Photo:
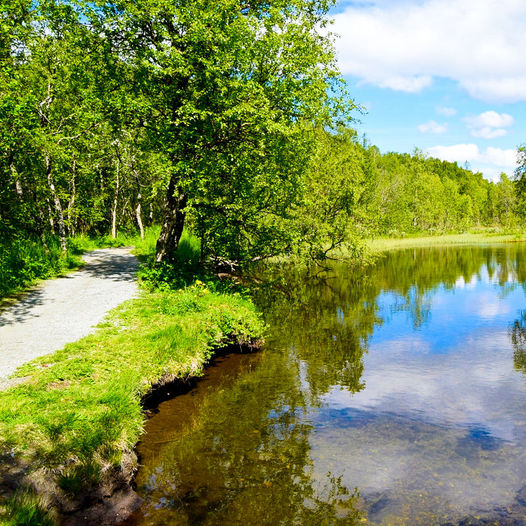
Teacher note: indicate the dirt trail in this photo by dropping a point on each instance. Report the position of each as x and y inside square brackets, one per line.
[64, 310]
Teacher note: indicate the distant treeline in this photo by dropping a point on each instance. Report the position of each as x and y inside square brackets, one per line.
[228, 118]
[399, 193]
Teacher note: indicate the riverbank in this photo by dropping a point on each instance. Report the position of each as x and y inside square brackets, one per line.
[68, 430]
[483, 237]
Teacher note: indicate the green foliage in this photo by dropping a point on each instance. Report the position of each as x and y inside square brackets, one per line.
[326, 219]
[223, 91]
[25, 509]
[400, 194]
[183, 270]
[520, 180]
[225, 119]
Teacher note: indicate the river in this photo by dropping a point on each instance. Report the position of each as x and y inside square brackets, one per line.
[390, 395]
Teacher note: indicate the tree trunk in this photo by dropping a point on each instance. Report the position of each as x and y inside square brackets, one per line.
[18, 184]
[173, 223]
[42, 228]
[139, 216]
[73, 188]
[50, 216]
[115, 202]
[58, 206]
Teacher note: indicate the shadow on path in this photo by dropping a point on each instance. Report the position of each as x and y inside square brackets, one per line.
[21, 310]
[120, 267]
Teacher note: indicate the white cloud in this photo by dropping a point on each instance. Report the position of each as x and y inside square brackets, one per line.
[488, 133]
[478, 43]
[432, 127]
[446, 112]
[504, 89]
[491, 161]
[408, 84]
[499, 157]
[490, 119]
[489, 125]
[459, 153]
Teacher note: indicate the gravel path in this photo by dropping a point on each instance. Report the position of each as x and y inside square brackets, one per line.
[65, 309]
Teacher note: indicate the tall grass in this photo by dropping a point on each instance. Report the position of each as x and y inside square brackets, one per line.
[24, 261]
[185, 268]
[142, 247]
[25, 509]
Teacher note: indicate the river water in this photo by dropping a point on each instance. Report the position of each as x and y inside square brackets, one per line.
[391, 395]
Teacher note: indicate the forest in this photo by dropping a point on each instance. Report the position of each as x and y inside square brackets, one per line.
[229, 121]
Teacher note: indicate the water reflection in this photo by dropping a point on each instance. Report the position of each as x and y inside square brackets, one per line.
[518, 340]
[390, 396]
[242, 458]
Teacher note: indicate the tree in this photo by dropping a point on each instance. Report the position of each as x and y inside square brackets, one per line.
[329, 214]
[224, 89]
[520, 180]
[506, 200]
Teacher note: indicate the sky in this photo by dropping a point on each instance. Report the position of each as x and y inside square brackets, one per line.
[444, 76]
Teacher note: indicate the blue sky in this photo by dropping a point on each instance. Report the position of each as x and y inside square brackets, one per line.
[444, 76]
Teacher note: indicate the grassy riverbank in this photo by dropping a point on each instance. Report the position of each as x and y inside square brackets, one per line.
[72, 423]
[481, 237]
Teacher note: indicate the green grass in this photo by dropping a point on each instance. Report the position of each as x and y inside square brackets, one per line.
[78, 411]
[25, 261]
[142, 247]
[470, 238]
[25, 509]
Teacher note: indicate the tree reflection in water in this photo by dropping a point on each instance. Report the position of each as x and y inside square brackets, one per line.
[518, 340]
[239, 453]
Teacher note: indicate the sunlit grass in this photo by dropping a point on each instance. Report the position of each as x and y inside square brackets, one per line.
[24, 508]
[469, 238]
[141, 247]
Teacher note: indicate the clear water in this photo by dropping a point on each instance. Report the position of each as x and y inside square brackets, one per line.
[395, 395]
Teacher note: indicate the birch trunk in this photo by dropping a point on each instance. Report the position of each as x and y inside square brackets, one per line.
[115, 203]
[58, 206]
[71, 203]
[139, 216]
[18, 184]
